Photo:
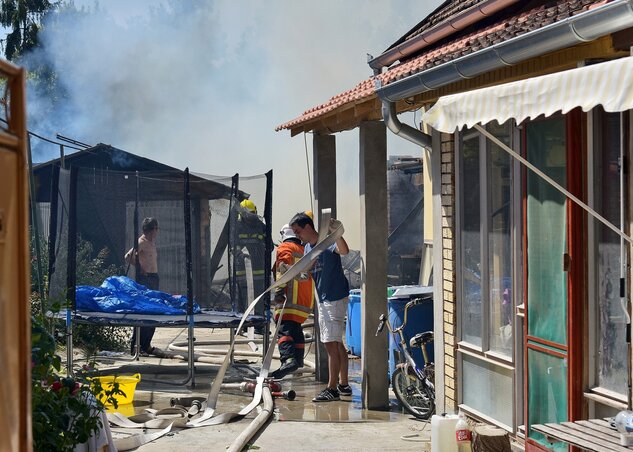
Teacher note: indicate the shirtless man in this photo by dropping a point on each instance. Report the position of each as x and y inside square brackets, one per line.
[148, 275]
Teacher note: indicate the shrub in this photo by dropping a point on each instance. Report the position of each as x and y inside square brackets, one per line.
[65, 410]
[92, 269]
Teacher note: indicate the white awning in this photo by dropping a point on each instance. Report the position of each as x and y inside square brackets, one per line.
[609, 84]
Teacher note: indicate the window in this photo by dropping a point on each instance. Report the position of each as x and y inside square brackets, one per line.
[485, 262]
[470, 235]
[609, 255]
[485, 187]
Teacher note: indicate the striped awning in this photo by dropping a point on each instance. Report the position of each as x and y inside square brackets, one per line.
[609, 84]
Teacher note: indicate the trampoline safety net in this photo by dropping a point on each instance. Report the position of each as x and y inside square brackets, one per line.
[211, 245]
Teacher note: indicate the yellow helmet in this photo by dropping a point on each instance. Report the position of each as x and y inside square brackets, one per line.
[249, 205]
[310, 214]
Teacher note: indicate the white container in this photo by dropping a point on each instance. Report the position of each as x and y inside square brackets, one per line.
[443, 433]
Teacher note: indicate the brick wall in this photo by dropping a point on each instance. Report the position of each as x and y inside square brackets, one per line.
[448, 265]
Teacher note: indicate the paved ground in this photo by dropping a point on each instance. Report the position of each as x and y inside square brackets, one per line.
[298, 424]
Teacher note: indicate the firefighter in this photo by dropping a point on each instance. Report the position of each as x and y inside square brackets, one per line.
[251, 235]
[299, 297]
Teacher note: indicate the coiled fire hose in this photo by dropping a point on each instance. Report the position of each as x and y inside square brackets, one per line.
[179, 416]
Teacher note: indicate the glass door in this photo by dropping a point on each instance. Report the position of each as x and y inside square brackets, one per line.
[547, 262]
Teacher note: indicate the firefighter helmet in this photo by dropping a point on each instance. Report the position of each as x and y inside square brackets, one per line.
[287, 233]
[249, 205]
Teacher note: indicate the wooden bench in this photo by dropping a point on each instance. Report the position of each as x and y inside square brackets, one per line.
[593, 435]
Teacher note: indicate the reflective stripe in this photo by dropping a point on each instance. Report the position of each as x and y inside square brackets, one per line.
[283, 339]
[255, 273]
[251, 236]
[296, 307]
[294, 315]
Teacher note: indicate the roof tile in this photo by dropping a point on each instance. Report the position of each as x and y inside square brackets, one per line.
[508, 28]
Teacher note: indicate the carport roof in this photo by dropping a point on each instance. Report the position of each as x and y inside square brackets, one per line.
[346, 110]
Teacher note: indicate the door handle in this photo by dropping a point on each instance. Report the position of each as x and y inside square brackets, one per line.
[566, 262]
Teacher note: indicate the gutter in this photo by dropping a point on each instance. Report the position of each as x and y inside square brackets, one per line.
[587, 26]
[584, 27]
[440, 31]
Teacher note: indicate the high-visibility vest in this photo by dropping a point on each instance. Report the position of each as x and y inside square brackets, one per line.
[299, 294]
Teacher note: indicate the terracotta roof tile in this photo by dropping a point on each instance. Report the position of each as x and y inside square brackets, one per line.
[446, 11]
[464, 45]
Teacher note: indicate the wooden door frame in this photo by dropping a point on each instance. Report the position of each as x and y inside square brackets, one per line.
[576, 164]
[575, 128]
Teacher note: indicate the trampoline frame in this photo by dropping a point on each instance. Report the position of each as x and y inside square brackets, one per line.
[72, 315]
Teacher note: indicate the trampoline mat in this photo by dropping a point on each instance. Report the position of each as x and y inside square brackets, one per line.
[204, 319]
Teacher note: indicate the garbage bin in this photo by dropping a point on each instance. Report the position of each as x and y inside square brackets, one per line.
[419, 319]
[352, 330]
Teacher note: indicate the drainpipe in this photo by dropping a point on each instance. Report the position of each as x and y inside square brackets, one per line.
[440, 31]
[398, 128]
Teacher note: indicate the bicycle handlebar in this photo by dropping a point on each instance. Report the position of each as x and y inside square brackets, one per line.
[383, 318]
[381, 324]
[419, 300]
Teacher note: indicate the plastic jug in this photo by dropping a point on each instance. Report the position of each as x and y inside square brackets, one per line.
[443, 433]
[624, 421]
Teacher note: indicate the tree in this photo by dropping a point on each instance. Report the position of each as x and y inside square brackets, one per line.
[24, 19]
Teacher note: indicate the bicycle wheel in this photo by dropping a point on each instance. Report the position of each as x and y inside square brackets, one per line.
[412, 394]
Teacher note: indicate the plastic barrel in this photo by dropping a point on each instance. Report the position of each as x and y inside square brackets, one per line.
[352, 330]
[419, 320]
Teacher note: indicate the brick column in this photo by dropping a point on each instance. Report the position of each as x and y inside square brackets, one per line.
[448, 264]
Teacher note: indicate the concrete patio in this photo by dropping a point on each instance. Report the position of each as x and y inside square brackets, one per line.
[301, 423]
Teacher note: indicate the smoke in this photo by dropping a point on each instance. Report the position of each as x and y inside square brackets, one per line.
[203, 84]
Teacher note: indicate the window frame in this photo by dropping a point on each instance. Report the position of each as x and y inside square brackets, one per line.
[512, 362]
[595, 393]
[515, 238]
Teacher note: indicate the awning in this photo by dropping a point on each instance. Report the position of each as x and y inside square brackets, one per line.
[609, 84]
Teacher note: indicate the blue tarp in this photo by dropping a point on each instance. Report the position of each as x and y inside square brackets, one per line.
[123, 295]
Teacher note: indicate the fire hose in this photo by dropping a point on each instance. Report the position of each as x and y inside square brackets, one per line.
[327, 237]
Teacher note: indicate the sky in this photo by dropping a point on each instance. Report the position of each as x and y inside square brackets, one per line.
[204, 84]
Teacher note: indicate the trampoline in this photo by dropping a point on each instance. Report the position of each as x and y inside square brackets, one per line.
[200, 253]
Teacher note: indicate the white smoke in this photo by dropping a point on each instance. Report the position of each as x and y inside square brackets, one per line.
[203, 84]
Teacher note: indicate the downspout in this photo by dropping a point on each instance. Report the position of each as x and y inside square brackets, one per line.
[398, 128]
[440, 31]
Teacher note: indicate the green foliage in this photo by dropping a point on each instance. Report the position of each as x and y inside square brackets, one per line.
[92, 269]
[24, 19]
[65, 410]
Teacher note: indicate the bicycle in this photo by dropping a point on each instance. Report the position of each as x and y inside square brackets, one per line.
[413, 386]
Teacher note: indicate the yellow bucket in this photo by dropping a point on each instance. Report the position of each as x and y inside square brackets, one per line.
[126, 409]
[127, 384]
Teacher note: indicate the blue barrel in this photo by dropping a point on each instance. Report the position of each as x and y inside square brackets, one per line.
[419, 319]
[352, 330]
